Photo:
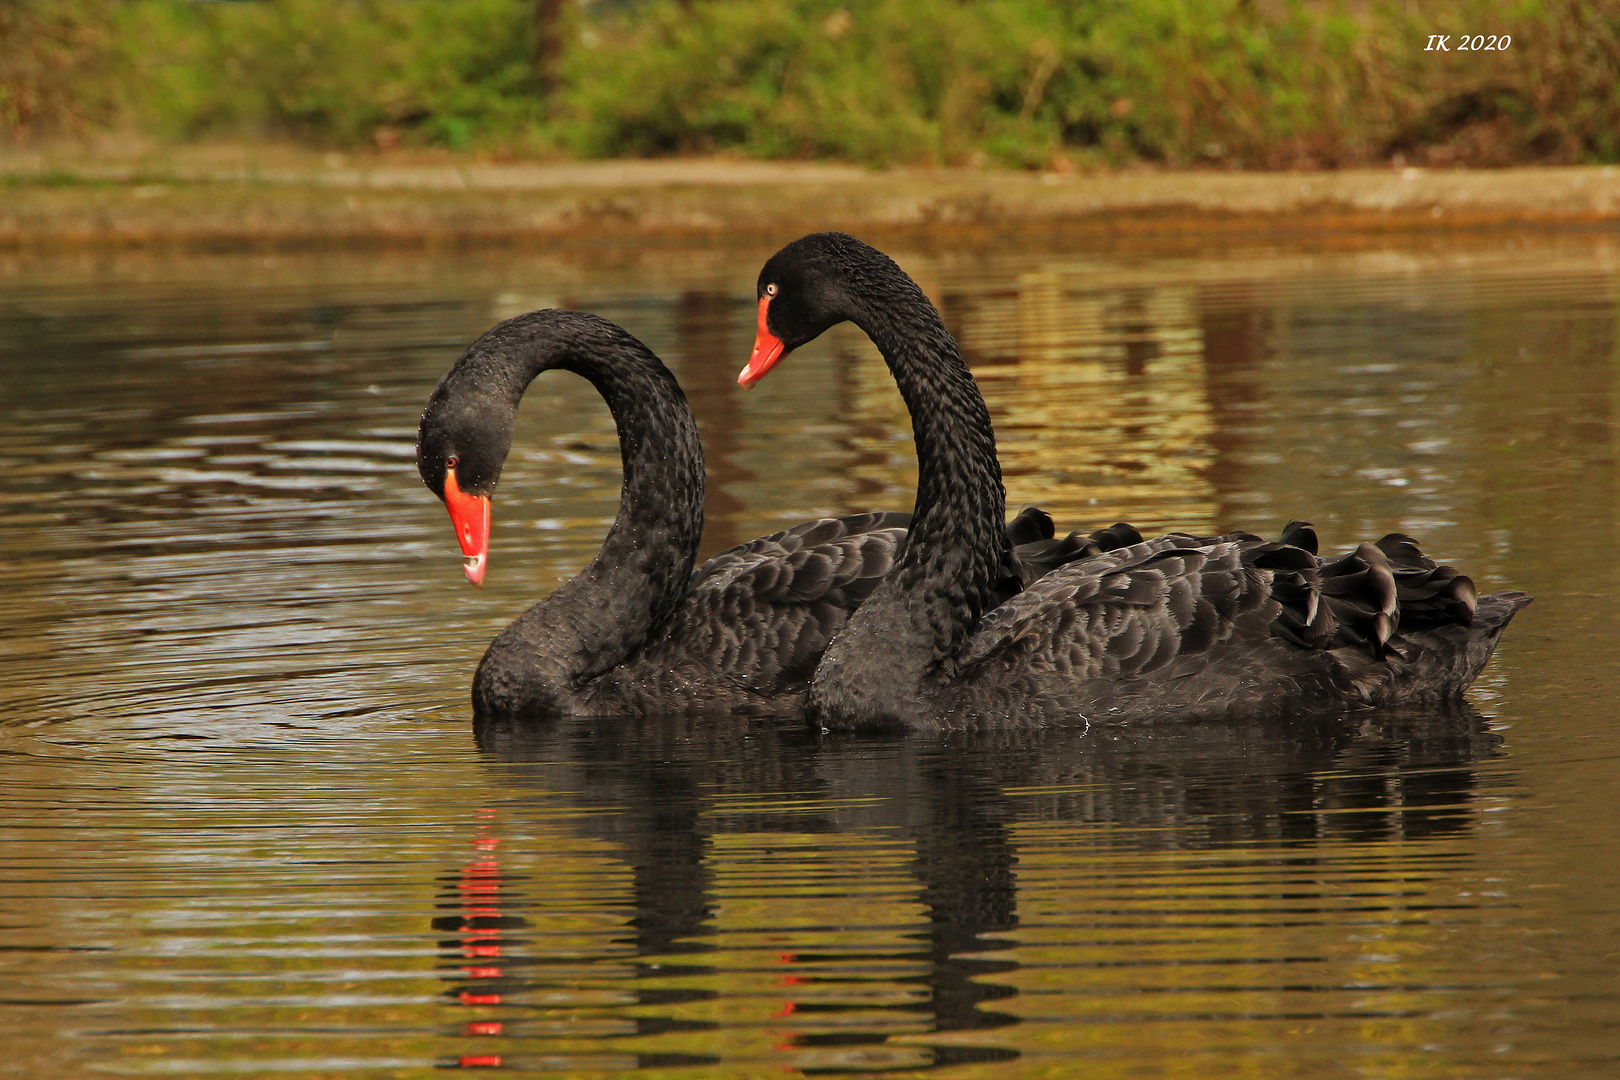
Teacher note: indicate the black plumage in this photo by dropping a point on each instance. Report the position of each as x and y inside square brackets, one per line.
[1180, 627]
[639, 630]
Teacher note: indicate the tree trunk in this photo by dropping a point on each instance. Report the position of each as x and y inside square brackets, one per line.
[548, 41]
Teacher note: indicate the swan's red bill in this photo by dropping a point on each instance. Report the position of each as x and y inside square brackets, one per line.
[470, 516]
[768, 349]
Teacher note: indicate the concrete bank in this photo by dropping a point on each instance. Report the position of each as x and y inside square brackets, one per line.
[293, 199]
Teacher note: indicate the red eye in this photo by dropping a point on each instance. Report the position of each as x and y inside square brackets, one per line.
[450, 463]
[770, 290]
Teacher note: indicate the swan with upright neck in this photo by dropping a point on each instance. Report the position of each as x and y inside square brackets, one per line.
[639, 630]
[1181, 627]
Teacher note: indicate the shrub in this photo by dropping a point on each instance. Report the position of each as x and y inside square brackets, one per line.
[1032, 83]
[338, 71]
[56, 67]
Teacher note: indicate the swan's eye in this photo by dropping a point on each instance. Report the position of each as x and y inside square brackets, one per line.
[450, 463]
[770, 290]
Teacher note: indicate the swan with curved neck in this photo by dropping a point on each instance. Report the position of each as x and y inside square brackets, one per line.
[638, 630]
[1180, 627]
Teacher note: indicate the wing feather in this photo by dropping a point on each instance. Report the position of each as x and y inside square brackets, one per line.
[1140, 606]
[762, 613]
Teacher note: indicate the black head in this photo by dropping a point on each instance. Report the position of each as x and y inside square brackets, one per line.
[808, 284]
[464, 431]
[467, 425]
[460, 454]
[461, 444]
[467, 433]
[812, 284]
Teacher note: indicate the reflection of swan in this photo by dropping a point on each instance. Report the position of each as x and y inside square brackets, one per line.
[495, 970]
[1176, 628]
[638, 630]
[1382, 774]
[666, 773]
[747, 841]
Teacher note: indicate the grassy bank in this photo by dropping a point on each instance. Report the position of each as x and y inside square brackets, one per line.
[1052, 84]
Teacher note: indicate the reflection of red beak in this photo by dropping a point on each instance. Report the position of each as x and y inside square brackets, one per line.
[470, 516]
[768, 349]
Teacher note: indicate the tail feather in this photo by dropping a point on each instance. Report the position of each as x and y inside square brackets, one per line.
[1437, 663]
[1382, 624]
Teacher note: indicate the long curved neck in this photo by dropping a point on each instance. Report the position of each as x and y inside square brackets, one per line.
[629, 593]
[631, 590]
[957, 548]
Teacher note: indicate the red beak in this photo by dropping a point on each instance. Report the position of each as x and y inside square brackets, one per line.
[470, 516]
[768, 349]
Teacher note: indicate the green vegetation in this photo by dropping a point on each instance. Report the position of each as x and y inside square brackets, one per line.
[1032, 83]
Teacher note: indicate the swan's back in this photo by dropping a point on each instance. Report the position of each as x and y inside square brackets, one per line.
[764, 611]
[1187, 627]
[759, 616]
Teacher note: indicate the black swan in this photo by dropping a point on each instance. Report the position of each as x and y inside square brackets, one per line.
[637, 630]
[1181, 627]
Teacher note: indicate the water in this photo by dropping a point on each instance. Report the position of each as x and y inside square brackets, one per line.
[249, 828]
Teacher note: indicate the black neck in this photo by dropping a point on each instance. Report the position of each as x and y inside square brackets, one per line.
[627, 595]
[957, 550]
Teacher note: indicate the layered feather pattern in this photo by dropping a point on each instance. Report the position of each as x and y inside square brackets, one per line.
[1119, 628]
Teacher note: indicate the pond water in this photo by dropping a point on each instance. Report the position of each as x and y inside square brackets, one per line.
[247, 826]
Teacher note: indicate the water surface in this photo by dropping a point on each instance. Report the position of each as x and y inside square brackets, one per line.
[249, 827]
